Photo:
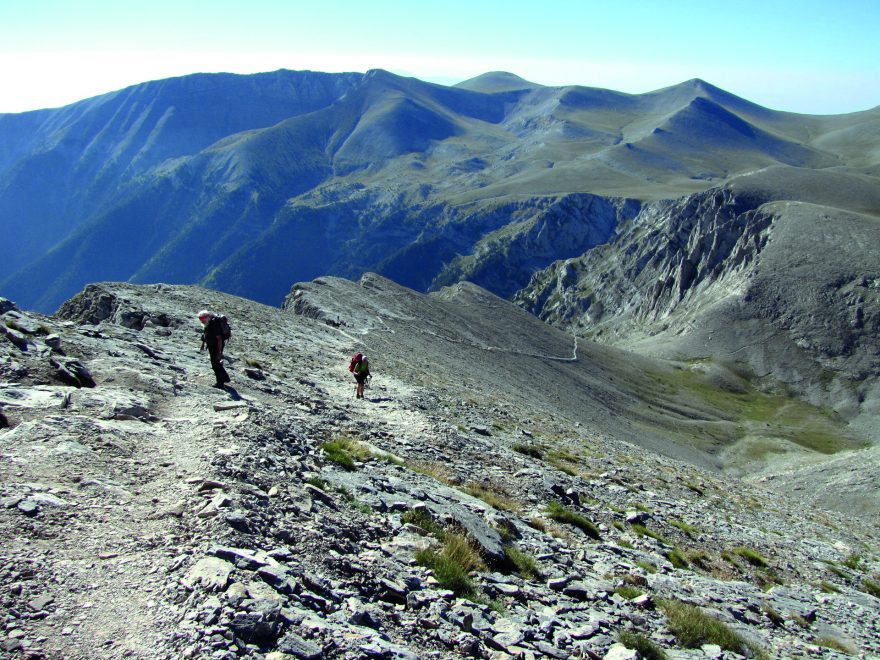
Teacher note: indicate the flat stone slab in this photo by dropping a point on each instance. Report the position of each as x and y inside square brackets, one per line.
[211, 572]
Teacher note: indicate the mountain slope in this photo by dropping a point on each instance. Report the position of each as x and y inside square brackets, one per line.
[58, 168]
[194, 177]
[285, 516]
[757, 273]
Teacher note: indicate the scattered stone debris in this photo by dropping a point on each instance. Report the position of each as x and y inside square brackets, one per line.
[289, 522]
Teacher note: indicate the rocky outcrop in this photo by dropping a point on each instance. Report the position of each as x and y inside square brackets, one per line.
[729, 275]
[666, 259]
[154, 516]
[504, 260]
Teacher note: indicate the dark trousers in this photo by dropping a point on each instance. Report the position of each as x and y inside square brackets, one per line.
[217, 366]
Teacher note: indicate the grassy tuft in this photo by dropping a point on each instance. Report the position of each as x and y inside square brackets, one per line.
[492, 495]
[528, 450]
[835, 570]
[639, 642]
[753, 557]
[871, 587]
[642, 530]
[775, 617]
[647, 566]
[692, 628]
[453, 562]
[437, 471]
[699, 557]
[683, 526]
[628, 591]
[318, 482]
[853, 562]
[677, 559]
[835, 644]
[561, 514]
[421, 518]
[344, 452]
[525, 563]
[827, 587]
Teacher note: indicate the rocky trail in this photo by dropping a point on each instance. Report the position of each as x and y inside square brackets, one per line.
[144, 514]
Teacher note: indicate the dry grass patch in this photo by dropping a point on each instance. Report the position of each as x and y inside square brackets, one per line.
[493, 495]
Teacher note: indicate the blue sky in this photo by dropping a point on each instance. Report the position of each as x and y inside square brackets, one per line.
[800, 56]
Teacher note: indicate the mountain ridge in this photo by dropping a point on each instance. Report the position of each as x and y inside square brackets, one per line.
[433, 144]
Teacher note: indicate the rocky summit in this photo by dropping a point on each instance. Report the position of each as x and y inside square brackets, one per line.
[503, 490]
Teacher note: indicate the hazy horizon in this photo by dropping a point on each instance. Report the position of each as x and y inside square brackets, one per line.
[800, 57]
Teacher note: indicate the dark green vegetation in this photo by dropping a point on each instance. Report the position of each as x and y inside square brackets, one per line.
[871, 587]
[641, 643]
[693, 628]
[525, 563]
[453, 560]
[559, 513]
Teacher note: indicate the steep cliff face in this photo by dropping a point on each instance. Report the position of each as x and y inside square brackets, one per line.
[504, 260]
[669, 256]
[789, 290]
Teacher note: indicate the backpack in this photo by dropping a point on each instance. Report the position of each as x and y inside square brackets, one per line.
[355, 359]
[225, 328]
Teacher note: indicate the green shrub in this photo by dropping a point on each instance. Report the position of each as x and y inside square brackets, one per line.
[639, 642]
[692, 628]
[561, 514]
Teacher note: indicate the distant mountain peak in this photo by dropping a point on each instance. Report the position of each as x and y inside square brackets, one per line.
[496, 81]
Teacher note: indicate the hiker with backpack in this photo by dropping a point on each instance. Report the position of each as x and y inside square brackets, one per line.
[215, 334]
[360, 367]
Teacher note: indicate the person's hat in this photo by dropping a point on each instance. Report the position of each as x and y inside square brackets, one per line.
[205, 314]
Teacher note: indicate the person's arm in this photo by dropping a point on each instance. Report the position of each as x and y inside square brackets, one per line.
[219, 345]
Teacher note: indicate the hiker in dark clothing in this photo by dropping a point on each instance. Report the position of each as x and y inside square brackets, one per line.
[361, 372]
[212, 337]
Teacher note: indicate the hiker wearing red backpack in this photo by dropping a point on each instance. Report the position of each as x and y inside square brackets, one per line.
[360, 367]
[216, 332]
